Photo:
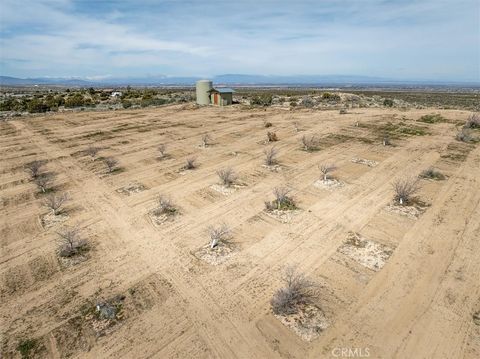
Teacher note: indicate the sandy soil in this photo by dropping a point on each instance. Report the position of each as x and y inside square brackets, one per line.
[420, 301]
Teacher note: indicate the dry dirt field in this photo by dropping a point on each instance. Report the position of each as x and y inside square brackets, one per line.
[409, 288]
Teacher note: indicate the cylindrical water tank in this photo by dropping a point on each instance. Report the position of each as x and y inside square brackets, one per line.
[203, 96]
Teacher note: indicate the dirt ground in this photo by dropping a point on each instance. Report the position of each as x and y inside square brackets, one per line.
[419, 302]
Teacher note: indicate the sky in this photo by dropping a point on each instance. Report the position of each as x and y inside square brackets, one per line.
[98, 39]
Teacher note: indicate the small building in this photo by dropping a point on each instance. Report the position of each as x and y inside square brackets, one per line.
[116, 94]
[208, 95]
[221, 96]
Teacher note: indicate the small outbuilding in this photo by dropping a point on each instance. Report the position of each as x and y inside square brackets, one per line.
[208, 95]
[221, 96]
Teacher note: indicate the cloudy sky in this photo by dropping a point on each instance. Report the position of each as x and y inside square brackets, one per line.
[400, 39]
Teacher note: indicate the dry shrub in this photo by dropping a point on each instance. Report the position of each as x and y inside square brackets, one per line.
[267, 124]
[70, 242]
[191, 163]
[44, 181]
[55, 202]
[405, 188]
[92, 151]
[165, 206]
[283, 200]
[206, 140]
[111, 164]
[218, 234]
[386, 140]
[473, 121]
[310, 143]
[270, 156]
[227, 176]
[326, 169]
[272, 137]
[162, 149]
[432, 173]
[34, 168]
[298, 290]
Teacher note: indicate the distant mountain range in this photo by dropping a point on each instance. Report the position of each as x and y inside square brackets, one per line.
[227, 79]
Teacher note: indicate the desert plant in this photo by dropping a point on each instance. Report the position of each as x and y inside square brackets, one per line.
[165, 206]
[343, 111]
[326, 169]
[271, 137]
[464, 135]
[282, 201]
[44, 181]
[70, 242]
[432, 173]
[270, 156]
[162, 150]
[206, 140]
[405, 188]
[191, 163]
[267, 124]
[310, 143]
[227, 176]
[307, 102]
[386, 140]
[92, 151]
[297, 291]
[55, 202]
[473, 121]
[218, 234]
[111, 164]
[33, 168]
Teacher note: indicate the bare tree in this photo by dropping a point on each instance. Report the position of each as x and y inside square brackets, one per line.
[405, 188]
[272, 137]
[70, 242]
[44, 181]
[165, 206]
[227, 176]
[33, 168]
[206, 140]
[282, 201]
[162, 149]
[270, 156]
[310, 143]
[191, 163]
[92, 151]
[326, 169]
[218, 234]
[111, 164]
[55, 203]
[298, 290]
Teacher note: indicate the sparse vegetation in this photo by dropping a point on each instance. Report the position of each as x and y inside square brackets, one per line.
[227, 176]
[44, 181]
[28, 347]
[70, 242]
[473, 121]
[111, 164]
[271, 137]
[325, 169]
[297, 291]
[162, 150]
[191, 163]
[405, 188]
[270, 156]
[464, 135]
[165, 206]
[267, 124]
[205, 140]
[92, 151]
[432, 118]
[218, 234]
[34, 168]
[55, 202]
[310, 143]
[432, 173]
[283, 201]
